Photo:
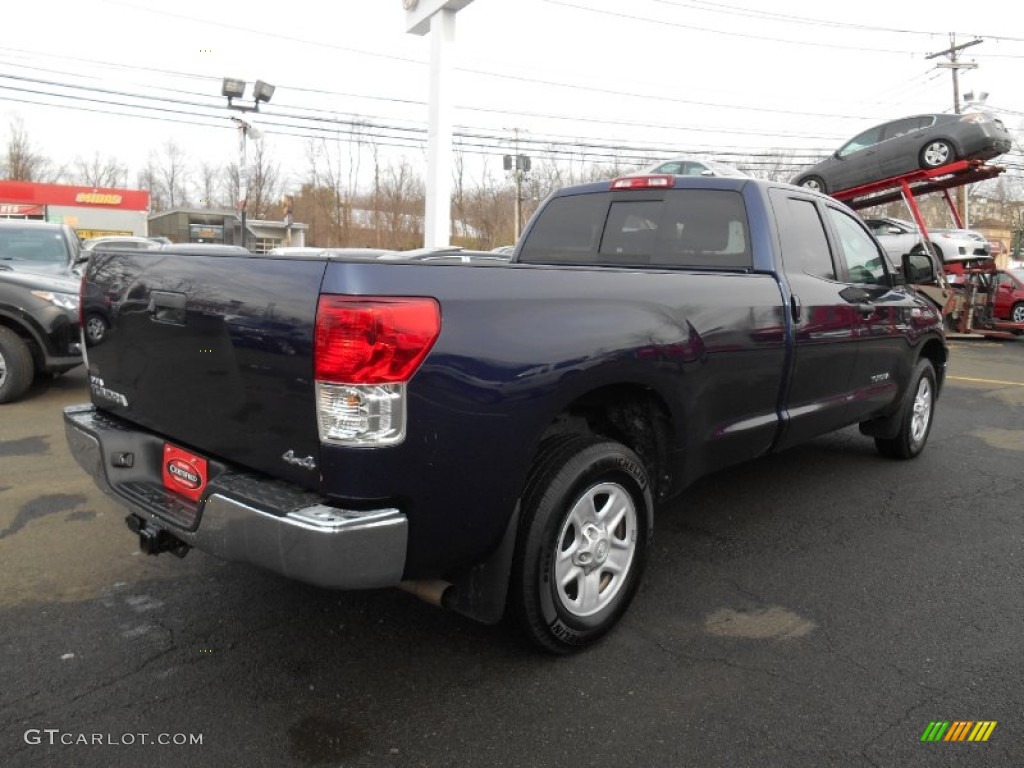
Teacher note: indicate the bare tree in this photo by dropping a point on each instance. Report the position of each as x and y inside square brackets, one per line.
[167, 173]
[774, 166]
[100, 172]
[148, 179]
[401, 201]
[209, 185]
[230, 186]
[22, 162]
[332, 198]
[264, 187]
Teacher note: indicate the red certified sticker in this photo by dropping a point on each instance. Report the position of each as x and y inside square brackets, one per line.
[184, 472]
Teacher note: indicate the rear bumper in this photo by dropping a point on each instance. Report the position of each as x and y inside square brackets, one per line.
[241, 516]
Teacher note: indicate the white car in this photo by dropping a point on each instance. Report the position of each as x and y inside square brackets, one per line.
[121, 243]
[898, 237]
[694, 166]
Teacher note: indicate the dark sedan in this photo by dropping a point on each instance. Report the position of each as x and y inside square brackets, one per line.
[905, 145]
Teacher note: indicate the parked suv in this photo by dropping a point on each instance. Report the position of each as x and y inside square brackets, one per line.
[898, 237]
[38, 246]
[38, 328]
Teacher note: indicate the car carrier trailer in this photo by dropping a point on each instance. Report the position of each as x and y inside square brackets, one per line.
[966, 306]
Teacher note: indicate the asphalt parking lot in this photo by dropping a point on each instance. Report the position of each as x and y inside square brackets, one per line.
[816, 608]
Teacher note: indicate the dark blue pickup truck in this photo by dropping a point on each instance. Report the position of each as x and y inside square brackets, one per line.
[496, 436]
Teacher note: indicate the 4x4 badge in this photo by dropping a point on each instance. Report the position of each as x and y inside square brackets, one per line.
[307, 463]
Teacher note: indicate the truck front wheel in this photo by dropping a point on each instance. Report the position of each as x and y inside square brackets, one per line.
[916, 420]
[16, 367]
[583, 541]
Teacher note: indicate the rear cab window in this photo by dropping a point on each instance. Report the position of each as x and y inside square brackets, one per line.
[696, 228]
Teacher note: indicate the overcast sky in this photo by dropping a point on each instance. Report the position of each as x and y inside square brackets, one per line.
[668, 76]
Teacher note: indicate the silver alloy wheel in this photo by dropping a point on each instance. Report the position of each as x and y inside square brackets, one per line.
[812, 184]
[95, 327]
[595, 549]
[3, 369]
[937, 153]
[922, 412]
[1018, 314]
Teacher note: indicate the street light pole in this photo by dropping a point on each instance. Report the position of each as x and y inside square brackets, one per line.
[234, 88]
[243, 174]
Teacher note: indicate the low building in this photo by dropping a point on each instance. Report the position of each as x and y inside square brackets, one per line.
[90, 211]
[223, 226]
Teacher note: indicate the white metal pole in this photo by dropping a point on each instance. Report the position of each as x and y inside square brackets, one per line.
[437, 221]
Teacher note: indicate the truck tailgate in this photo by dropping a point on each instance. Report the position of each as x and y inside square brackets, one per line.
[214, 352]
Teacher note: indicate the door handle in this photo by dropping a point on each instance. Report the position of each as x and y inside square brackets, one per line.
[167, 307]
[795, 308]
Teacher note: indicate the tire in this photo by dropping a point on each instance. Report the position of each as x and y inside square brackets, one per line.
[572, 578]
[815, 184]
[95, 329]
[16, 366]
[1017, 313]
[937, 153]
[917, 416]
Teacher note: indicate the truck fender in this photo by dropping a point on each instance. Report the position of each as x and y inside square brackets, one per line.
[887, 427]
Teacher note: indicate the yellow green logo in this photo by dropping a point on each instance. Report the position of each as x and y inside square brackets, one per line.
[958, 730]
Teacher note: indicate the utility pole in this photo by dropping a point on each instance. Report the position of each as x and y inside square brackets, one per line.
[955, 65]
[519, 165]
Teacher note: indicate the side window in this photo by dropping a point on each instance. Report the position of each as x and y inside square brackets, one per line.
[864, 260]
[866, 139]
[900, 127]
[804, 244]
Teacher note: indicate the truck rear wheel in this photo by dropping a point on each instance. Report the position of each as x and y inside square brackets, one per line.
[16, 367]
[582, 543]
[916, 421]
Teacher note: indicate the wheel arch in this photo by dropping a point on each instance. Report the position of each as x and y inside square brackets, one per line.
[633, 414]
[32, 338]
[935, 351]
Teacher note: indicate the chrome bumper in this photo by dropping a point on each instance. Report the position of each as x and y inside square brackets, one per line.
[310, 541]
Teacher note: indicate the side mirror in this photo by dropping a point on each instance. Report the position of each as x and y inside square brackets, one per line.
[707, 172]
[918, 268]
[893, 231]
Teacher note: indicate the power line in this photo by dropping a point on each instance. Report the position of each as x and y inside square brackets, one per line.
[727, 33]
[217, 106]
[790, 19]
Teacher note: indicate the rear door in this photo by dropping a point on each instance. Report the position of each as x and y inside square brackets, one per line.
[214, 352]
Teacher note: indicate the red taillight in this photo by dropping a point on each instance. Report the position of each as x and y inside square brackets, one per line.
[373, 340]
[662, 181]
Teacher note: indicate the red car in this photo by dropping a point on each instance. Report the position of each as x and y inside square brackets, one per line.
[1008, 295]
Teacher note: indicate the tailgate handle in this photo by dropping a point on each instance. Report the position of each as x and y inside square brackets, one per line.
[167, 307]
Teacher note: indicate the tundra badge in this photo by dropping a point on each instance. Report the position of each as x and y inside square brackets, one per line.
[100, 390]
